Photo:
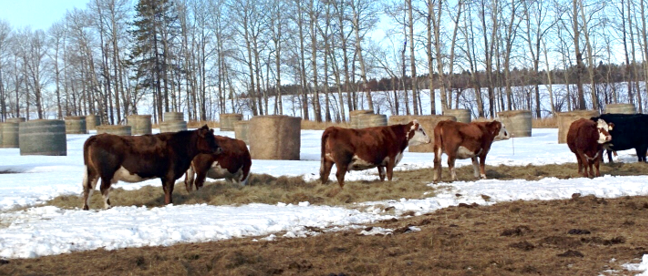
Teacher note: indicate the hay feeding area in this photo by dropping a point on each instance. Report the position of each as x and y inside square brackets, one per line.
[576, 236]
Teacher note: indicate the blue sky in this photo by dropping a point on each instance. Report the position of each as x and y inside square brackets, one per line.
[39, 14]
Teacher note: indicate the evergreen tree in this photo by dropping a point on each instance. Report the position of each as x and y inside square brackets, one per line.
[154, 29]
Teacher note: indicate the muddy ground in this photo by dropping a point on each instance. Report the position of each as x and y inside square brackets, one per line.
[584, 235]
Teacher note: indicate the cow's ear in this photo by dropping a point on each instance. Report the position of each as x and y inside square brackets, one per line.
[495, 126]
[610, 126]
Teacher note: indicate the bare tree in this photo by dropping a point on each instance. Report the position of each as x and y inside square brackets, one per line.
[5, 32]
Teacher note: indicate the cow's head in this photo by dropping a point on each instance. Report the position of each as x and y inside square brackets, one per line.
[498, 130]
[604, 131]
[207, 142]
[416, 135]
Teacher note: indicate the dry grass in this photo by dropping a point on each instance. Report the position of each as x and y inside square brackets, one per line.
[550, 122]
[197, 124]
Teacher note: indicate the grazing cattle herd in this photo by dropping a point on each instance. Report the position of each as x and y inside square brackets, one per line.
[200, 154]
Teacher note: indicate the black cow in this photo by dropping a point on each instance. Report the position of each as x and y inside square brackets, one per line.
[630, 131]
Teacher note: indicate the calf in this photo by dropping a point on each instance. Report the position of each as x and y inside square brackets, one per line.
[461, 141]
[233, 164]
[137, 158]
[585, 138]
[630, 132]
[361, 149]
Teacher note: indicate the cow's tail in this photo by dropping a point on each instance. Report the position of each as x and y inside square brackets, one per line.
[438, 142]
[247, 164]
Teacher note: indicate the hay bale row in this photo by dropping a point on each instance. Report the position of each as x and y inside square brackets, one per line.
[565, 119]
[42, 137]
[370, 120]
[462, 115]
[354, 114]
[140, 124]
[620, 109]
[75, 125]
[121, 130]
[241, 130]
[276, 137]
[227, 120]
[9, 134]
[173, 126]
[518, 122]
[173, 116]
[428, 122]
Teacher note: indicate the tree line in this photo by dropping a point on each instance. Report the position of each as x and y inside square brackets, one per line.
[229, 56]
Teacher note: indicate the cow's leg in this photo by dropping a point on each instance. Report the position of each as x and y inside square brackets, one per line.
[475, 164]
[341, 172]
[189, 178]
[597, 163]
[579, 160]
[585, 162]
[200, 179]
[390, 168]
[609, 154]
[105, 191]
[325, 169]
[437, 164]
[451, 167]
[381, 173]
[641, 153]
[167, 186]
[90, 179]
[482, 166]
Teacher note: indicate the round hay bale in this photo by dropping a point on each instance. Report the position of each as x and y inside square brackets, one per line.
[517, 122]
[227, 120]
[241, 129]
[121, 130]
[428, 122]
[620, 109]
[173, 116]
[15, 120]
[75, 125]
[353, 117]
[462, 115]
[565, 119]
[92, 121]
[399, 119]
[371, 120]
[9, 134]
[173, 126]
[276, 137]
[140, 124]
[42, 137]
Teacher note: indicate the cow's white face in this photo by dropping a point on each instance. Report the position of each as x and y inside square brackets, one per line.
[503, 134]
[417, 135]
[604, 131]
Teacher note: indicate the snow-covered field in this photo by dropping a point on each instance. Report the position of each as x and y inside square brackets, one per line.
[39, 231]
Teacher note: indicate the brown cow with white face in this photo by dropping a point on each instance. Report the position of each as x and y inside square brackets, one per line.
[461, 141]
[361, 149]
[233, 164]
[585, 139]
[137, 158]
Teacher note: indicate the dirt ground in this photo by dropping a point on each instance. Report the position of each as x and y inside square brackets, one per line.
[584, 235]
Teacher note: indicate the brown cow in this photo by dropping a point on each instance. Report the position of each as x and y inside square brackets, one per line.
[361, 149]
[137, 158]
[585, 139]
[461, 141]
[233, 164]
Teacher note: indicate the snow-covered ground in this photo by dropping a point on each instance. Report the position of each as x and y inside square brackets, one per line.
[39, 231]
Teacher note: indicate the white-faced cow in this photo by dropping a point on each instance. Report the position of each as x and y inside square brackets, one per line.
[461, 141]
[136, 158]
[361, 149]
[585, 138]
[233, 164]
